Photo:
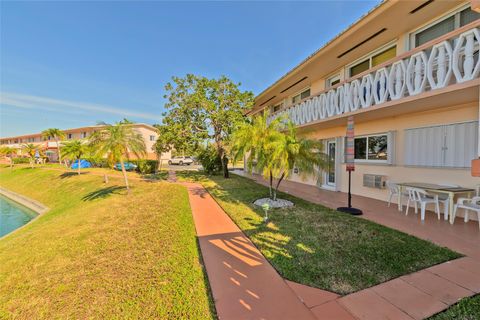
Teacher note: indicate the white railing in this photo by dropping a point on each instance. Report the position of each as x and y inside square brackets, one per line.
[430, 67]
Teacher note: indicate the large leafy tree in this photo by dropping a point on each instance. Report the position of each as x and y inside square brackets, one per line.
[202, 109]
[8, 152]
[30, 150]
[275, 149]
[116, 142]
[74, 151]
[57, 135]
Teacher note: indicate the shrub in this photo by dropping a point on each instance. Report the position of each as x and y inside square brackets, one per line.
[209, 159]
[145, 166]
[98, 162]
[21, 160]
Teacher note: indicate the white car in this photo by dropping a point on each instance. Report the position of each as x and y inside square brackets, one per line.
[181, 160]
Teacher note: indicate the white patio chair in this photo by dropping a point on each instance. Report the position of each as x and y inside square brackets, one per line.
[468, 204]
[422, 198]
[394, 190]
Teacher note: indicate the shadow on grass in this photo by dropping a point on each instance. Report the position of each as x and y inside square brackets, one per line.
[103, 193]
[70, 174]
[163, 175]
[320, 247]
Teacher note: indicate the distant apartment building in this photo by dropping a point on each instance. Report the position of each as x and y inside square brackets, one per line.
[148, 132]
[408, 71]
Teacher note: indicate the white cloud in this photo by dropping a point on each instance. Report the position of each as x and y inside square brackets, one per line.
[25, 101]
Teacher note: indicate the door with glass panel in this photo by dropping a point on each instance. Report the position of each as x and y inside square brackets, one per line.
[330, 172]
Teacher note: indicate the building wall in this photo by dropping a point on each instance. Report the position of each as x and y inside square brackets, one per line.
[398, 172]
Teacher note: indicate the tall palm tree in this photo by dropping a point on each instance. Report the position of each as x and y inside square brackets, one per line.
[75, 150]
[8, 152]
[31, 150]
[57, 135]
[116, 142]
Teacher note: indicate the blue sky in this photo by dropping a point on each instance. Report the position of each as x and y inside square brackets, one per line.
[71, 64]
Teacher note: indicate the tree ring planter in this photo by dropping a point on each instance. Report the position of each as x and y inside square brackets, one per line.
[279, 203]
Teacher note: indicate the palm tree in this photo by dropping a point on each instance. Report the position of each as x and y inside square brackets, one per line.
[8, 152]
[57, 135]
[276, 149]
[75, 150]
[31, 150]
[255, 140]
[116, 142]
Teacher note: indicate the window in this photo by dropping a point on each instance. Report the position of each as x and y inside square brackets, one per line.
[277, 107]
[69, 136]
[152, 138]
[373, 148]
[449, 23]
[453, 145]
[332, 81]
[300, 96]
[84, 134]
[373, 60]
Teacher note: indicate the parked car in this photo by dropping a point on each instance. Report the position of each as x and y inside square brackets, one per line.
[181, 160]
[128, 166]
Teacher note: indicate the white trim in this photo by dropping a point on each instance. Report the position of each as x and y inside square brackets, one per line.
[372, 160]
[299, 92]
[333, 78]
[411, 34]
[369, 56]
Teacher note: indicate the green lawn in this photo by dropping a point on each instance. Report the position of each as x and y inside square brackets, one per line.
[319, 247]
[99, 253]
[465, 309]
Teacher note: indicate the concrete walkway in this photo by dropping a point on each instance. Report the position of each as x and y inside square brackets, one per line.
[244, 285]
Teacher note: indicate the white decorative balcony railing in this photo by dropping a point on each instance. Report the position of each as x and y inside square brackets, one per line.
[442, 62]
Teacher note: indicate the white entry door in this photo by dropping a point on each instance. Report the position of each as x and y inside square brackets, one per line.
[331, 149]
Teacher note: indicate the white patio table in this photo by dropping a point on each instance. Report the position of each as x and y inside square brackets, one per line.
[436, 188]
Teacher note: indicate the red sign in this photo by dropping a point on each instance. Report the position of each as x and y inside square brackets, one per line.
[350, 147]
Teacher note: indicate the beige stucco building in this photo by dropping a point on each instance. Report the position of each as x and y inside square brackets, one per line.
[408, 71]
[148, 132]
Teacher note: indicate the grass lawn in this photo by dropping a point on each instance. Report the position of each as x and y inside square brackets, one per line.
[99, 253]
[320, 247]
[465, 309]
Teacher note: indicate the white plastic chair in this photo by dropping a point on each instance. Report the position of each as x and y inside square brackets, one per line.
[394, 190]
[422, 198]
[468, 204]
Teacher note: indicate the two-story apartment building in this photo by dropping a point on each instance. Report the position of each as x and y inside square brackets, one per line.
[148, 132]
[408, 71]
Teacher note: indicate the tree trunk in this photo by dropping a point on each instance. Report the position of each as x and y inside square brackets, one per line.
[58, 151]
[225, 167]
[270, 187]
[11, 162]
[31, 162]
[125, 176]
[278, 184]
[160, 164]
[78, 166]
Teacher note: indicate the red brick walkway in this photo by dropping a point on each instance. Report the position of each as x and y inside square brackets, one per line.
[246, 286]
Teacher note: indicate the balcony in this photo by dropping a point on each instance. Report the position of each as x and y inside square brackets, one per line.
[448, 63]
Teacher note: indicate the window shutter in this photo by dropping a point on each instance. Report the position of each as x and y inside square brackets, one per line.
[461, 143]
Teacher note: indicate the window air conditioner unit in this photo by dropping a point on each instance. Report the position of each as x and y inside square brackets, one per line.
[374, 181]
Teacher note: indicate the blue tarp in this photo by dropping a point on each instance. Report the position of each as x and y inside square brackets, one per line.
[83, 164]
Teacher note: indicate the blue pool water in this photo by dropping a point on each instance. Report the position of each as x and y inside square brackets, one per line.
[13, 215]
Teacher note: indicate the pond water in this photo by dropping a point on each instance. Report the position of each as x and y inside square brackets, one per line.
[13, 215]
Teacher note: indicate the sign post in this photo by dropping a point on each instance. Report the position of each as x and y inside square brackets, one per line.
[350, 164]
